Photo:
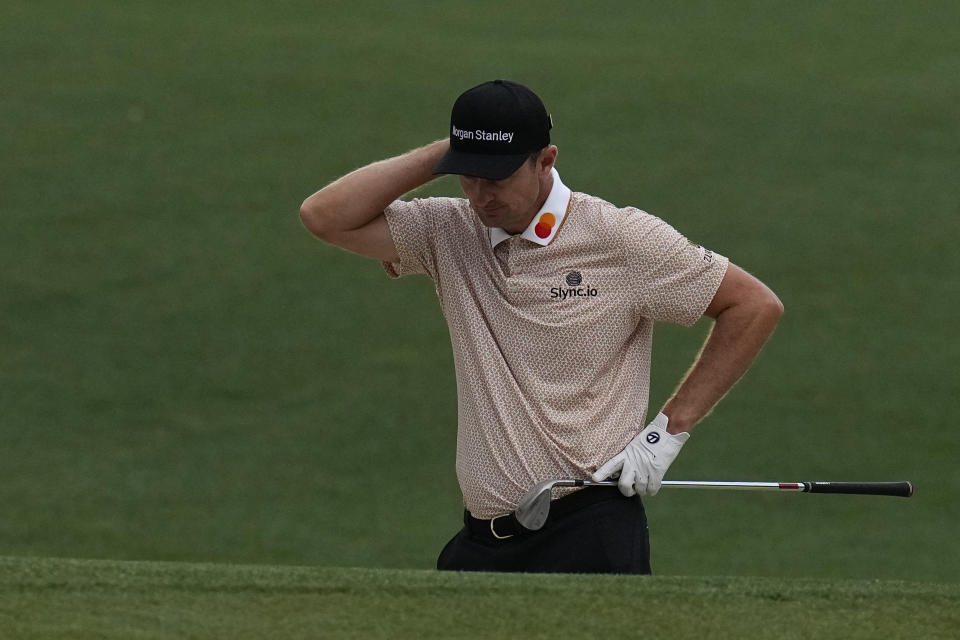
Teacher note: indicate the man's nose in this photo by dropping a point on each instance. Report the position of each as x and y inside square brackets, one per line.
[485, 191]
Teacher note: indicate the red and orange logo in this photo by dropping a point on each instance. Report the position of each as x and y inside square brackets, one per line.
[545, 225]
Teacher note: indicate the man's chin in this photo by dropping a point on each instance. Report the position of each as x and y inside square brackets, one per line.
[488, 219]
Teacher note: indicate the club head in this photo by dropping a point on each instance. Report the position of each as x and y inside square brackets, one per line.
[534, 506]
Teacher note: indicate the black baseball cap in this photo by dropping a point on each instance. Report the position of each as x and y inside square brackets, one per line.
[493, 129]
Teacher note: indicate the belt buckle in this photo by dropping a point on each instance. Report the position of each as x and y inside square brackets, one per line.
[494, 531]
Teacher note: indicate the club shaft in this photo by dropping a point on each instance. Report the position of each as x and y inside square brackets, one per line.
[900, 489]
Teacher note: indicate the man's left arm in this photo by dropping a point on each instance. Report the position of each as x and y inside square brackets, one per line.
[745, 313]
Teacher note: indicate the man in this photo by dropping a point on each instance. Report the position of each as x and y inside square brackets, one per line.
[550, 297]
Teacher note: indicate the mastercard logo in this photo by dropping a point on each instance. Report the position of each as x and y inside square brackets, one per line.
[545, 225]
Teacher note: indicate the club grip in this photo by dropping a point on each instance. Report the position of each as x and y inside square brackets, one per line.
[899, 489]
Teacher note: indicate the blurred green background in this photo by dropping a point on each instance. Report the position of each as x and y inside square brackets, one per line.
[186, 374]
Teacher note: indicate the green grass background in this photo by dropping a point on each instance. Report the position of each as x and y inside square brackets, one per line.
[48, 598]
[185, 374]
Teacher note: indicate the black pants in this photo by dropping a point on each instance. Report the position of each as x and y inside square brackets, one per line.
[609, 535]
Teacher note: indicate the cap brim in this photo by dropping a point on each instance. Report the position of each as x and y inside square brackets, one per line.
[489, 166]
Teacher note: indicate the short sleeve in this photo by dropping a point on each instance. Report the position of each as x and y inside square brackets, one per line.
[411, 226]
[677, 278]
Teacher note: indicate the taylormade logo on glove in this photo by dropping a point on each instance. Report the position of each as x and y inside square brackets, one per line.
[645, 459]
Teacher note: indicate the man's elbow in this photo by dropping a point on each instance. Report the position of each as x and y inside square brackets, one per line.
[770, 307]
[315, 218]
[761, 305]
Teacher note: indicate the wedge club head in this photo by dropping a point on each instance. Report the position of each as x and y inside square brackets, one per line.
[534, 506]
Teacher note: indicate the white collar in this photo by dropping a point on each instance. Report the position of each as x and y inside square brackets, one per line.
[554, 208]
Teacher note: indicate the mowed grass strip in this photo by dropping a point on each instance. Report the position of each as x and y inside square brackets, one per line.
[42, 598]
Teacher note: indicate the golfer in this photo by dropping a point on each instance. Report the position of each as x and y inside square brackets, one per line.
[550, 296]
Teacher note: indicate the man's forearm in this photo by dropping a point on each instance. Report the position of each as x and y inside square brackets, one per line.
[736, 338]
[360, 196]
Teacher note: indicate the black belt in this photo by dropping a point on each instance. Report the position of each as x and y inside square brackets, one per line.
[506, 526]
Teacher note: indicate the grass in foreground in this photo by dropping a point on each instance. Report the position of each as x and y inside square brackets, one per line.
[42, 598]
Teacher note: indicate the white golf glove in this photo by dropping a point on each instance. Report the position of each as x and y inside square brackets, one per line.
[644, 460]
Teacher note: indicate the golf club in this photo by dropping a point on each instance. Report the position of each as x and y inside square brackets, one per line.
[534, 506]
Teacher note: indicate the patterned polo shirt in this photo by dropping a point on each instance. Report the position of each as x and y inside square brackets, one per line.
[552, 340]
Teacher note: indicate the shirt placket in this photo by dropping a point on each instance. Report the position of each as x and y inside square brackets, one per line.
[502, 253]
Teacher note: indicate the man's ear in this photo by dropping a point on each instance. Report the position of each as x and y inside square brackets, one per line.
[547, 159]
